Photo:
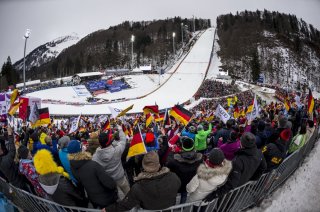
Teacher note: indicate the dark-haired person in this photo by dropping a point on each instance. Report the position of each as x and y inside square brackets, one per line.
[7, 165]
[155, 188]
[185, 164]
[108, 155]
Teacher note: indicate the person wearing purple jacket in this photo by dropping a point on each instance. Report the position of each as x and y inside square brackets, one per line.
[231, 146]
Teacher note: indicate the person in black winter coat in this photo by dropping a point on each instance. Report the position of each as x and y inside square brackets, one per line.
[275, 151]
[55, 182]
[185, 164]
[101, 188]
[248, 164]
[155, 188]
[224, 133]
[7, 165]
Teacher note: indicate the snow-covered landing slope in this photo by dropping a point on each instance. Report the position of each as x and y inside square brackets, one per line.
[179, 88]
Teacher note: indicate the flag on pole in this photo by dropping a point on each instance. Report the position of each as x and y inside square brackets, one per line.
[151, 109]
[149, 119]
[310, 102]
[34, 114]
[106, 126]
[74, 124]
[167, 120]
[14, 96]
[122, 113]
[44, 117]
[114, 111]
[222, 114]
[14, 107]
[236, 112]
[137, 146]
[255, 109]
[181, 114]
[287, 102]
[159, 117]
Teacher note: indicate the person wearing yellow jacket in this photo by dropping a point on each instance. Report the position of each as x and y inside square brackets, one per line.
[201, 138]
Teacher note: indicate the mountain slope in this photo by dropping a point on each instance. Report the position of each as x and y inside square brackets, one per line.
[47, 52]
[278, 46]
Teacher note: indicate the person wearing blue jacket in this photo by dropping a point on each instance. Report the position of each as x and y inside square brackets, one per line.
[191, 133]
[63, 156]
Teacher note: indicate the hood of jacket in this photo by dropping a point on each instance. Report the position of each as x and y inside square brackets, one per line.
[205, 172]
[79, 159]
[104, 154]
[49, 182]
[151, 175]
[188, 157]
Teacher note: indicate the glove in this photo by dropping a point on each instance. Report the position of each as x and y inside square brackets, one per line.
[210, 197]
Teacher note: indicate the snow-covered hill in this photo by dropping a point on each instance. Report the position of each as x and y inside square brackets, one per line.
[47, 51]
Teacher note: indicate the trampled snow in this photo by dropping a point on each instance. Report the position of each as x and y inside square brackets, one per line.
[188, 75]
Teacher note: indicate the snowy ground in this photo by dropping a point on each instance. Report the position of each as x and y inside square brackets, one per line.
[180, 86]
[301, 192]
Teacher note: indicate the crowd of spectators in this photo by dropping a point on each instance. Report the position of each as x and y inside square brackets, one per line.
[213, 88]
[200, 161]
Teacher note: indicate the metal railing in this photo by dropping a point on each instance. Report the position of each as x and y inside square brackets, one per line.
[247, 195]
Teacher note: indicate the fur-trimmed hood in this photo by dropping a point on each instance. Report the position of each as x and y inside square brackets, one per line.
[150, 175]
[77, 160]
[206, 173]
[80, 156]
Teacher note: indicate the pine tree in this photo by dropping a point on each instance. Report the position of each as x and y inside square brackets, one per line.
[8, 72]
[255, 66]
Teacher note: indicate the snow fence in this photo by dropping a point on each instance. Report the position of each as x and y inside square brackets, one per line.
[247, 195]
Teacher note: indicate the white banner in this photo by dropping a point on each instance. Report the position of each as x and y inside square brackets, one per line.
[4, 104]
[222, 114]
[34, 100]
[81, 90]
[255, 110]
[34, 114]
[114, 111]
[74, 124]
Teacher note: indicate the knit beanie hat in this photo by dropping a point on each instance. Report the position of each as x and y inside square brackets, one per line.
[216, 156]
[23, 152]
[63, 142]
[192, 129]
[283, 122]
[74, 147]
[44, 163]
[105, 139]
[200, 127]
[187, 143]
[150, 162]
[248, 140]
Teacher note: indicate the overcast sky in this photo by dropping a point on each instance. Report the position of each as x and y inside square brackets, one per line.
[49, 19]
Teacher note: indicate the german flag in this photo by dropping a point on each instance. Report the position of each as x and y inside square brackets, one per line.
[310, 102]
[122, 113]
[14, 107]
[125, 130]
[106, 126]
[181, 114]
[149, 119]
[166, 120]
[44, 117]
[151, 109]
[236, 112]
[210, 117]
[250, 107]
[137, 146]
[287, 102]
[159, 117]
